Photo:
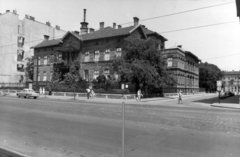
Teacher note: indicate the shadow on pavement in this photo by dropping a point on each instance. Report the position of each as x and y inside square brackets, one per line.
[230, 100]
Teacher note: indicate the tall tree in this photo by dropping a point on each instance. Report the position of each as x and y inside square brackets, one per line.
[142, 63]
[208, 76]
[29, 69]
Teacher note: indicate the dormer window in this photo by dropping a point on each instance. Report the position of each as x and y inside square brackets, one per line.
[107, 55]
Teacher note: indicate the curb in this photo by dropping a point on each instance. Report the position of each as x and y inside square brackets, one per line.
[225, 107]
[11, 153]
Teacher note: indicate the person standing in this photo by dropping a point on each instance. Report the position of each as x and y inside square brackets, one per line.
[180, 97]
[88, 93]
[139, 94]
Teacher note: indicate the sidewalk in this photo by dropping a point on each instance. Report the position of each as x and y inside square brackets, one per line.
[226, 105]
[145, 101]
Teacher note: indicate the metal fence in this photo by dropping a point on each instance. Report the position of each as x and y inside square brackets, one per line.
[12, 84]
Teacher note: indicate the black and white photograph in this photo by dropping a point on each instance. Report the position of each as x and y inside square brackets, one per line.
[119, 78]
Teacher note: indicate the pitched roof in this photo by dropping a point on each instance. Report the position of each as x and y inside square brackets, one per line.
[111, 32]
[107, 32]
[47, 43]
[149, 32]
[98, 34]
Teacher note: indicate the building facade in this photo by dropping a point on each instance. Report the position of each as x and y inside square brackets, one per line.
[97, 49]
[16, 39]
[231, 81]
[184, 66]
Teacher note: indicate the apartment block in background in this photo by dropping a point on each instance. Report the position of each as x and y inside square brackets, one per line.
[16, 39]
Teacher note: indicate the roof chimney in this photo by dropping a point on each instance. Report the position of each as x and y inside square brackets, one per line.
[84, 24]
[91, 30]
[32, 18]
[15, 12]
[180, 46]
[135, 21]
[57, 27]
[76, 32]
[48, 23]
[114, 25]
[101, 25]
[119, 26]
[46, 37]
[27, 16]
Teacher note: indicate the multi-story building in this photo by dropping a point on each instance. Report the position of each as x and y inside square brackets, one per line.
[231, 81]
[16, 39]
[184, 66]
[96, 49]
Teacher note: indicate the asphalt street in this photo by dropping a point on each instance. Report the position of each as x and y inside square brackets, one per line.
[45, 127]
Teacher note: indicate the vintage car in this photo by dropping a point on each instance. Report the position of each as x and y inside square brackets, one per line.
[28, 93]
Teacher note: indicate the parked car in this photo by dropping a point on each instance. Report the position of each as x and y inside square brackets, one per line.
[28, 93]
[228, 94]
[222, 95]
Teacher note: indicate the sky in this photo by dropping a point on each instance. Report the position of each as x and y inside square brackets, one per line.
[217, 44]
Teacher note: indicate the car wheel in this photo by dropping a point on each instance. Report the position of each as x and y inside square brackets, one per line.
[35, 97]
[25, 97]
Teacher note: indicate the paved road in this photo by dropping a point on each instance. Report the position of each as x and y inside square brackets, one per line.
[42, 128]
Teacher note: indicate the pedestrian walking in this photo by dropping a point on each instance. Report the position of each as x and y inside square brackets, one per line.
[88, 93]
[180, 97]
[139, 95]
[40, 90]
[92, 94]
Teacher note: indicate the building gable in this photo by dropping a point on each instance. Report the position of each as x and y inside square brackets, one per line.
[138, 31]
[70, 40]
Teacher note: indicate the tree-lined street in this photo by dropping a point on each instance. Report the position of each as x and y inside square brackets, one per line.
[67, 128]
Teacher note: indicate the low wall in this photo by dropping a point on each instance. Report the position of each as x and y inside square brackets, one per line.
[97, 95]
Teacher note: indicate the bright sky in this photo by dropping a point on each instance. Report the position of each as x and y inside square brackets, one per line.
[217, 44]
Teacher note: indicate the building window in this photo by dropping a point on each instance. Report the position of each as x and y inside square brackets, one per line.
[119, 52]
[107, 55]
[20, 55]
[39, 60]
[38, 76]
[96, 56]
[86, 75]
[50, 76]
[20, 67]
[116, 76]
[20, 41]
[95, 74]
[169, 62]
[45, 60]
[44, 76]
[59, 57]
[86, 58]
[106, 73]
